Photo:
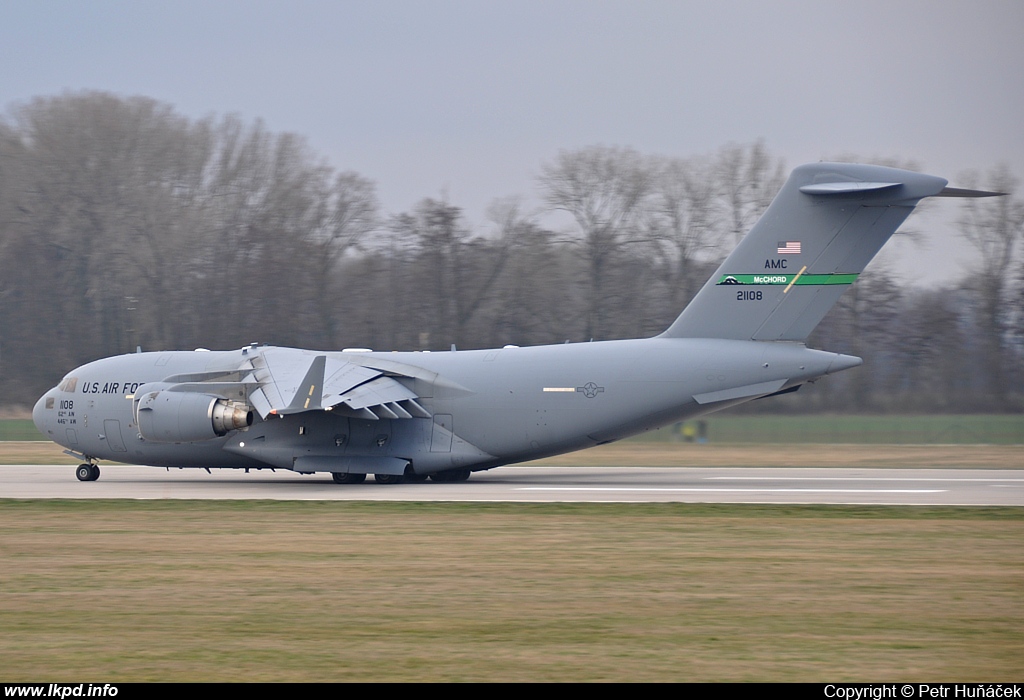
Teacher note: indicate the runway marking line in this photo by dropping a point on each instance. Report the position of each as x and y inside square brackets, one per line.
[849, 478]
[711, 490]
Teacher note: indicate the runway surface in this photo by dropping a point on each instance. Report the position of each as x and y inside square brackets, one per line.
[544, 484]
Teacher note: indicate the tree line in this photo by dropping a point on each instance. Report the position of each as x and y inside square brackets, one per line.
[125, 224]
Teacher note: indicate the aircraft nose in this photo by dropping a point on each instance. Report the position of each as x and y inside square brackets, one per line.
[39, 412]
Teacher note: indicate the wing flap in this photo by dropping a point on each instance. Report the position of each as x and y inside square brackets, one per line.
[376, 392]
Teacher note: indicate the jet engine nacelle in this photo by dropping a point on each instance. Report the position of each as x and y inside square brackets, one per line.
[184, 416]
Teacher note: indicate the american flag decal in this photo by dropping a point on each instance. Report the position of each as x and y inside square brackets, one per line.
[789, 248]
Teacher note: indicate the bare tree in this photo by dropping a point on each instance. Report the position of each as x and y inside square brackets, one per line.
[123, 223]
[681, 223]
[453, 270]
[346, 213]
[863, 323]
[531, 303]
[930, 353]
[748, 178]
[605, 191]
[994, 227]
[98, 178]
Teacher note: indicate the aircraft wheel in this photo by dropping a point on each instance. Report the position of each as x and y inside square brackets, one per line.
[348, 478]
[415, 478]
[388, 478]
[87, 472]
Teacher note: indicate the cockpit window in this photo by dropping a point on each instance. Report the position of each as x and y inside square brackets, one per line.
[69, 384]
[49, 402]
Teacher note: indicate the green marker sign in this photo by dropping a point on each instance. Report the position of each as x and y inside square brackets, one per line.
[805, 279]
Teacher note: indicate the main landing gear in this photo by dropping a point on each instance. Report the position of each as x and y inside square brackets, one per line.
[410, 477]
[451, 476]
[87, 472]
[348, 478]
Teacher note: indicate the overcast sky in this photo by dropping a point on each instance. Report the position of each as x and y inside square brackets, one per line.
[468, 99]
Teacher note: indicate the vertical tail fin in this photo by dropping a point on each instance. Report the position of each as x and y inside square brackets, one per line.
[823, 228]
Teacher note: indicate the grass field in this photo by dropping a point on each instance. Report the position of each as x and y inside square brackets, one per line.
[247, 591]
[867, 429]
[117, 591]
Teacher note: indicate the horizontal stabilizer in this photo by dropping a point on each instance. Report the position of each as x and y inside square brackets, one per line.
[846, 187]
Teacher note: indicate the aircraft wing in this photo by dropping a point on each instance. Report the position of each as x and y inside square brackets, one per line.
[292, 381]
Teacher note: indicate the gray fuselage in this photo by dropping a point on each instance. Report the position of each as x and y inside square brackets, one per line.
[499, 406]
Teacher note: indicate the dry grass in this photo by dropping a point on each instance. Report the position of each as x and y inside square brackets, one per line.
[33, 452]
[329, 591]
[336, 591]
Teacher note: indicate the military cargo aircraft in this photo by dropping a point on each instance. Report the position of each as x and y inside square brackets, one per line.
[407, 416]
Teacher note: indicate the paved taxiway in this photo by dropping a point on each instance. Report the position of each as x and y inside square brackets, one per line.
[549, 484]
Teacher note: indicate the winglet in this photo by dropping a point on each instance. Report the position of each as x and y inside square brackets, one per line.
[310, 392]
